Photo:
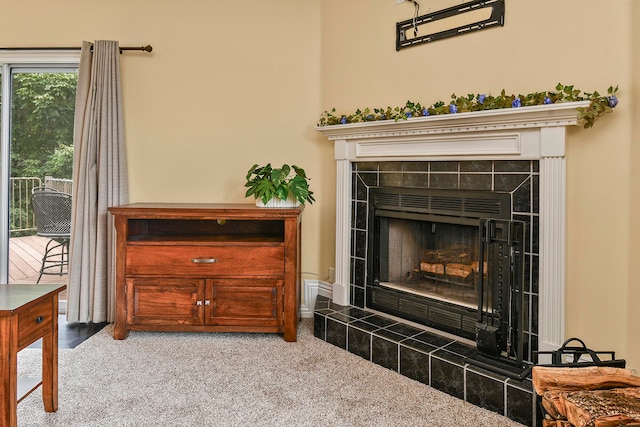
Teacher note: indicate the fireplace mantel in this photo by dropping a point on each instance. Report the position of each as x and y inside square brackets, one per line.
[562, 114]
[526, 133]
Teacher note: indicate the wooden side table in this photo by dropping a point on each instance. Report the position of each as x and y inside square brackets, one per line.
[27, 313]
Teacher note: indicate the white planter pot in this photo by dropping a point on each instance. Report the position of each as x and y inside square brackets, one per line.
[291, 202]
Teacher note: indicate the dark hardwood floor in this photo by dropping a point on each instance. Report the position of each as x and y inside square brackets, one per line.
[71, 335]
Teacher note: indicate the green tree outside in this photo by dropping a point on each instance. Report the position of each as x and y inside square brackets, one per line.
[42, 124]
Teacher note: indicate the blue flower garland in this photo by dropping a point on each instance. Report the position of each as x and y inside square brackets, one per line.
[600, 104]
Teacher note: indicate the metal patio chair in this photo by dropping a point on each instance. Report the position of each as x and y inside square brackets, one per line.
[52, 210]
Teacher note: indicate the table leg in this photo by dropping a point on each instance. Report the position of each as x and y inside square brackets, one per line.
[50, 363]
[8, 371]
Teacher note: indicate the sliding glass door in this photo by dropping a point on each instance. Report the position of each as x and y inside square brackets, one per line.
[37, 102]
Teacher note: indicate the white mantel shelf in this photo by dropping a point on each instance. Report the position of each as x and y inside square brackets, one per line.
[561, 114]
[525, 133]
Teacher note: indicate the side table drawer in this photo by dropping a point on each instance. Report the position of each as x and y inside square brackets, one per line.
[201, 261]
[33, 321]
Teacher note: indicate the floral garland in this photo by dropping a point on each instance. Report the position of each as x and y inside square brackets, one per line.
[600, 104]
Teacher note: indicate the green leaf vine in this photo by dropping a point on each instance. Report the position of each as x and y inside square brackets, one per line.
[598, 106]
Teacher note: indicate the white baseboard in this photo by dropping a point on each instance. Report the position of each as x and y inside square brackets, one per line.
[313, 288]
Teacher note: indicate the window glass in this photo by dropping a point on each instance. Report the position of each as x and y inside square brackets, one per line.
[37, 103]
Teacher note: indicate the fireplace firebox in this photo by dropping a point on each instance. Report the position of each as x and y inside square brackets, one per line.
[451, 260]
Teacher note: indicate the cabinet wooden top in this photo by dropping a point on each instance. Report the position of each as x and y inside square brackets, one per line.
[203, 211]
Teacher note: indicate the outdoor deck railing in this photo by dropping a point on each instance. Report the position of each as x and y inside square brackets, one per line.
[60, 184]
[21, 217]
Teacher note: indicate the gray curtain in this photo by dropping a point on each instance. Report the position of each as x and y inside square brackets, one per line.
[99, 181]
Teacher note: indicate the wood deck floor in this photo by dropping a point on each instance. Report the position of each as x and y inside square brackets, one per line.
[25, 258]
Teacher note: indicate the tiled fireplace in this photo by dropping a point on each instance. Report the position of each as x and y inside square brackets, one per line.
[426, 216]
[515, 151]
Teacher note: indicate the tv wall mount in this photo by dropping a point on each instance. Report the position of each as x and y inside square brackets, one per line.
[404, 28]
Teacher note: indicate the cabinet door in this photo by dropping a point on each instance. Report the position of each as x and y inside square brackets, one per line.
[165, 301]
[244, 302]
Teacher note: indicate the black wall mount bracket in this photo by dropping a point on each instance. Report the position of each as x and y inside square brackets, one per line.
[495, 18]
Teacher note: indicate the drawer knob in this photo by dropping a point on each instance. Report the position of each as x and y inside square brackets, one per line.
[198, 302]
[39, 319]
[204, 260]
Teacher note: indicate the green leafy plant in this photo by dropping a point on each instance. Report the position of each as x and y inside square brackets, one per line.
[599, 105]
[266, 182]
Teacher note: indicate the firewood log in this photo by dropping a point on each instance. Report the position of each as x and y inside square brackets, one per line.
[459, 270]
[554, 406]
[585, 378]
[617, 421]
[584, 407]
[555, 423]
[432, 268]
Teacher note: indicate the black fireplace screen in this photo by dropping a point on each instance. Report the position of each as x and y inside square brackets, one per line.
[450, 260]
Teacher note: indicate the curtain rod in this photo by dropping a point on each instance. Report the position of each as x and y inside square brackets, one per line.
[147, 48]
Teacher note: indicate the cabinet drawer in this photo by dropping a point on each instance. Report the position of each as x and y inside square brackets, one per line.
[34, 321]
[202, 261]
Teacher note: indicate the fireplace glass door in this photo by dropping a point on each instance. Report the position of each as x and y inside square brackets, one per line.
[423, 254]
[432, 259]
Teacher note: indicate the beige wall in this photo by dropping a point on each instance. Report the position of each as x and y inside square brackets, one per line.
[230, 84]
[586, 43]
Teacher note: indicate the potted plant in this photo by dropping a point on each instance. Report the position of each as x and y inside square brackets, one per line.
[286, 186]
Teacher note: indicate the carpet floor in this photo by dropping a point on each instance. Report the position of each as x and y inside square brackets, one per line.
[200, 379]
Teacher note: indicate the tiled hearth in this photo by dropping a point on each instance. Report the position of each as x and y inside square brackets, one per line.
[424, 356]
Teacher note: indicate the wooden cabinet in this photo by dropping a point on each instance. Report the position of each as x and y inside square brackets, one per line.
[207, 267]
